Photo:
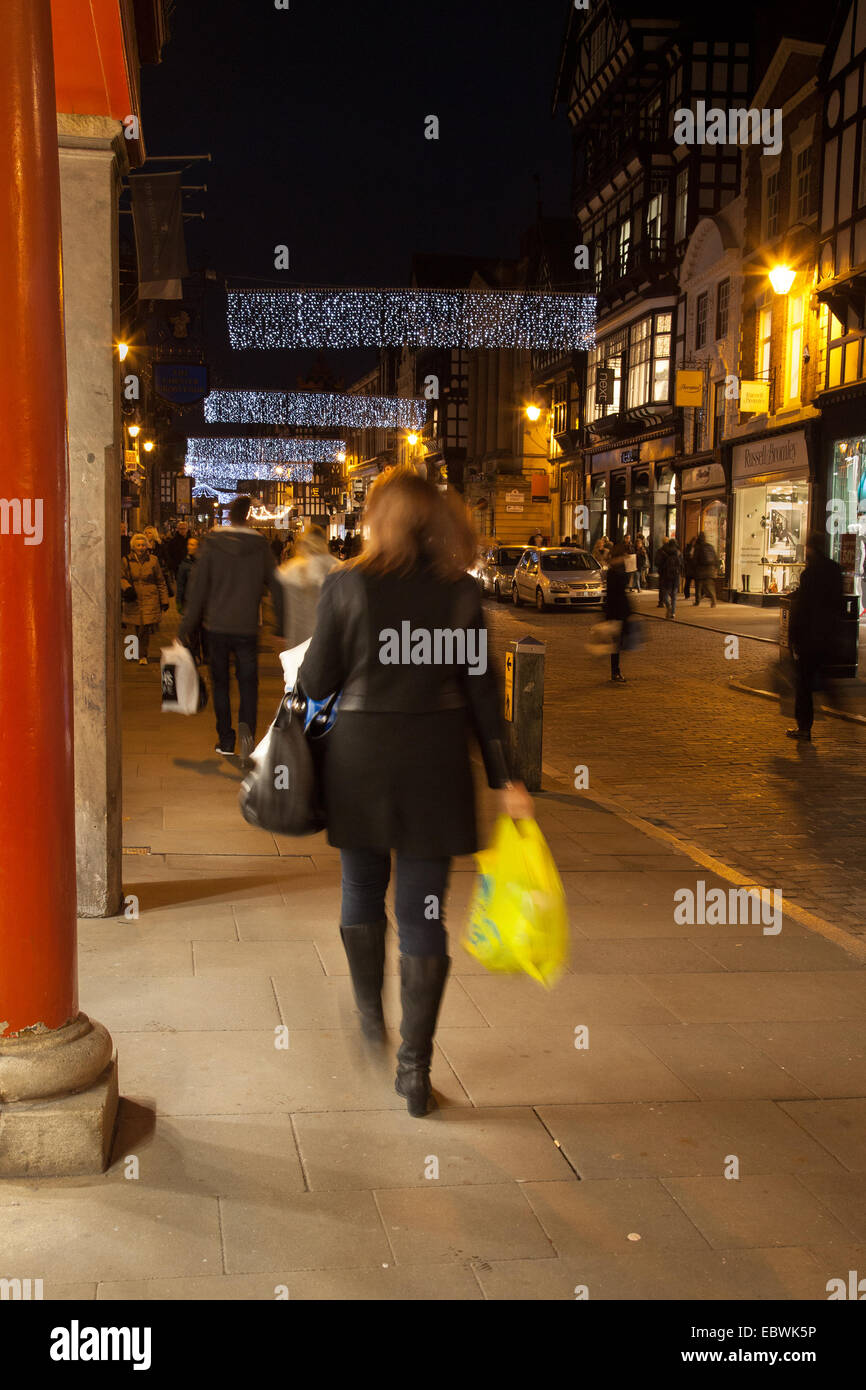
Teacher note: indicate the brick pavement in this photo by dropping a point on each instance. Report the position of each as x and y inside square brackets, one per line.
[678, 747]
[605, 1167]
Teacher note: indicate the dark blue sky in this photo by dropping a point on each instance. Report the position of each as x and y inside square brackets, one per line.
[315, 120]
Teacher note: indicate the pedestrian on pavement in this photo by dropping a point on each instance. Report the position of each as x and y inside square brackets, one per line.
[813, 628]
[176, 549]
[602, 549]
[642, 563]
[669, 563]
[144, 592]
[706, 563]
[616, 605]
[197, 642]
[232, 570]
[160, 554]
[302, 577]
[397, 774]
[689, 565]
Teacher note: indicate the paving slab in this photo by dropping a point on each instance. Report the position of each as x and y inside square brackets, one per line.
[236, 959]
[516, 1066]
[483, 1222]
[599, 1216]
[159, 1004]
[717, 1063]
[328, 1002]
[689, 1139]
[391, 1149]
[840, 1125]
[111, 1232]
[758, 1212]
[607, 999]
[829, 1056]
[746, 996]
[311, 1230]
[368, 1283]
[657, 1274]
[844, 1194]
[210, 1073]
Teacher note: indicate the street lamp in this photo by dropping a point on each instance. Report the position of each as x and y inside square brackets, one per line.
[413, 439]
[134, 431]
[782, 278]
[122, 350]
[532, 412]
[148, 445]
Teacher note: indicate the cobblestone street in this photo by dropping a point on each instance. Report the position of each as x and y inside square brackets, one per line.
[678, 747]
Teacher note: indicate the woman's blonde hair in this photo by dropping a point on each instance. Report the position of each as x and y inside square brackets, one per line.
[410, 522]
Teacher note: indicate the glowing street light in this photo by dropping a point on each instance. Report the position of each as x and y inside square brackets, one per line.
[413, 439]
[533, 412]
[122, 350]
[134, 431]
[148, 445]
[782, 278]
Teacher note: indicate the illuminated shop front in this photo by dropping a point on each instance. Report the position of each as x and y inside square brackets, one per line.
[705, 508]
[846, 508]
[772, 493]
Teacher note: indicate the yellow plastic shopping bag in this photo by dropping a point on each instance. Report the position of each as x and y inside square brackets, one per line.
[517, 917]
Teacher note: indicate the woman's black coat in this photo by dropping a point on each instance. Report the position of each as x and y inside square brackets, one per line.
[396, 767]
[616, 604]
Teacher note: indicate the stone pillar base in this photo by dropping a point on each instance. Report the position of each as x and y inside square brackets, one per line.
[67, 1136]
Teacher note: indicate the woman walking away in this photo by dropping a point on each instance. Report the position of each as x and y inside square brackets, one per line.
[400, 633]
[616, 605]
[144, 592]
[302, 577]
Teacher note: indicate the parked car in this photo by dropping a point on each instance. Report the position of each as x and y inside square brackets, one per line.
[557, 577]
[495, 568]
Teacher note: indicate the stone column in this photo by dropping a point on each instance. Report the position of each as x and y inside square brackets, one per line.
[58, 1080]
[89, 148]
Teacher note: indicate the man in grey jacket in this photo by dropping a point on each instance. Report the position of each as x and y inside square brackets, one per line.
[234, 566]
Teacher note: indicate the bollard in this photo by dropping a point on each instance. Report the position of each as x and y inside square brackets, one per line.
[524, 709]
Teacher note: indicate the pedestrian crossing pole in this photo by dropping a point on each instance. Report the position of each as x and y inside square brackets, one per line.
[524, 709]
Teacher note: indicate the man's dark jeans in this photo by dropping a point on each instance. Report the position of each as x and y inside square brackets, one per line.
[221, 647]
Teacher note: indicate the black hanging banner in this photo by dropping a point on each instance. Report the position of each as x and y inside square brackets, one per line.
[158, 216]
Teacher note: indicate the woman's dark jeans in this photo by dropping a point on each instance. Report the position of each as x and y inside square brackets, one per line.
[419, 897]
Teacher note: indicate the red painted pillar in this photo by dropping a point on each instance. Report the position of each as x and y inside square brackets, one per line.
[37, 815]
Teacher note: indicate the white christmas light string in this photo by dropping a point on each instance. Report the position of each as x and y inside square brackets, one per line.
[315, 410]
[340, 319]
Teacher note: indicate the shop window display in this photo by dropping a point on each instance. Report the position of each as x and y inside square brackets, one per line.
[846, 511]
[771, 537]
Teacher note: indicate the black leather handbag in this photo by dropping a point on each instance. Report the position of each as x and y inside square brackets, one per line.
[281, 794]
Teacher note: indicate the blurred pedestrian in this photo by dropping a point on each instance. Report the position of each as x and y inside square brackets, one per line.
[302, 577]
[144, 592]
[669, 563]
[197, 642]
[616, 605]
[602, 549]
[277, 546]
[229, 577]
[397, 774]
[160, 554]
[642, 563]
[176, 548]
[706, 563]
[689, 565]
[814, 629]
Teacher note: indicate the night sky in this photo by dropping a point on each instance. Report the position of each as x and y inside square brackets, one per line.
[315, 120]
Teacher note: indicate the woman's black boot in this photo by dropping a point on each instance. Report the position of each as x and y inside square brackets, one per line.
[422, 982]
[365, 950]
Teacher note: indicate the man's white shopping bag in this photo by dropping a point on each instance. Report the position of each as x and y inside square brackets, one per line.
[183, 690]
[290, 661]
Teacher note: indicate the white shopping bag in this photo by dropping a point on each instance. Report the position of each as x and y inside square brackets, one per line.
[181, 689]
[630, 564]
[291, 663]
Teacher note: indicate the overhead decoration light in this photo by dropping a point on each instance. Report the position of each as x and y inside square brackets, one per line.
[262, 514]
[315, 410]
[215, 460]
[337, 319]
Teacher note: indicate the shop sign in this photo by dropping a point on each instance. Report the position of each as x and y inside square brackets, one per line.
[705, 475]
[848, 552]
[689, 388]
[786, 454]
[605, 379]
[754, 397]
[630, 455]
[180, 383]
[514, 500]
[183, 496]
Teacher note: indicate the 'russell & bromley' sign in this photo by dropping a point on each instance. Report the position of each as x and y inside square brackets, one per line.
[787, 453]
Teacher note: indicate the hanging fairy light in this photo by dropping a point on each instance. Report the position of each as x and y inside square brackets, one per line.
[339, 319]
[243, 451]
[315, 410]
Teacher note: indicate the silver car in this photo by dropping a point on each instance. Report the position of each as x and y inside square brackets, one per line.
[496, 566]
[557, 577]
